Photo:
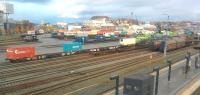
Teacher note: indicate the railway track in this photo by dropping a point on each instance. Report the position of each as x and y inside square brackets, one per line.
[42, 91]
[60, 63]
[95, 73]
[67, 76]
[71, 77]
[70, 67]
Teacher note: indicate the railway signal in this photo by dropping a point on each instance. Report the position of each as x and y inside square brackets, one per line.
[116, 78]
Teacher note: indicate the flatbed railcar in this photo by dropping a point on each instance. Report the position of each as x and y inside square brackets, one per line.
[29, 38]
[29, 53]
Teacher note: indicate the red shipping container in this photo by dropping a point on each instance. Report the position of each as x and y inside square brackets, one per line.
[20, 53]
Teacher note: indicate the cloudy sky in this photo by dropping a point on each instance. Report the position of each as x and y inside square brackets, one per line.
[76, 10]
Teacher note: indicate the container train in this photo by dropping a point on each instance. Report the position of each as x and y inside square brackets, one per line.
[29, 53]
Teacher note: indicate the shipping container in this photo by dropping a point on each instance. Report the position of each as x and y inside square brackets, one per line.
[80, 34]
[81, 39]
[20, 53]
[31, 32]
[127, 41]
[100, 38]
[69, 33]
[60, 35]
[54, 34]
[72, 47]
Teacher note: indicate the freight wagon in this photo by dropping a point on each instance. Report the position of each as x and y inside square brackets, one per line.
[29, 53]
[127, 41]
[29, 38]
[172, 44]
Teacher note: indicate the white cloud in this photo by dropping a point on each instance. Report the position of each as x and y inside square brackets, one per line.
[148, 9]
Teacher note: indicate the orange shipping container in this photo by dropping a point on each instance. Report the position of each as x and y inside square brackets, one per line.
[20, 53]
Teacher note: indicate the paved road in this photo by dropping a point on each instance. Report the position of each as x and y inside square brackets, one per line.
[178, 79]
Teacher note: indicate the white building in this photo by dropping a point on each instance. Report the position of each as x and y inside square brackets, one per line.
[74, 27]
[62, 25]
[98, 21]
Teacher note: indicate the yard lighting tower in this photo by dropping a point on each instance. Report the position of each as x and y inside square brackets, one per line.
[7, 9]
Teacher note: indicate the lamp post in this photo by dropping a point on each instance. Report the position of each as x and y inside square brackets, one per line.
[156, 69]
[197, 58]
[116, 78]
[188, 56]
[169, 71]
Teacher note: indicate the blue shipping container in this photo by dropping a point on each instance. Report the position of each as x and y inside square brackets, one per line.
[81, 39]
[72, 47]
[54, 35]
[100, 38]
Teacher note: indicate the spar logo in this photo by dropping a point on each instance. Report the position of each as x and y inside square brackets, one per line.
[9, 50]
[19, 52]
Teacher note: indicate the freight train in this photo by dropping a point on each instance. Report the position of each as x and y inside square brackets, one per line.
[172, 44]
[29, 53]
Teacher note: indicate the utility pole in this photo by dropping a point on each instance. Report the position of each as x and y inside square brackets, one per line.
[165, 48]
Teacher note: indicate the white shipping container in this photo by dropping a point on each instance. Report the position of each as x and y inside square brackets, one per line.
[109, 34]
[69, 33]
[81, 34]
[127, 41]
[41, 31]
[31, 32]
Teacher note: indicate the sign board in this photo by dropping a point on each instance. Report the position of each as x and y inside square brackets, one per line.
[7, 8]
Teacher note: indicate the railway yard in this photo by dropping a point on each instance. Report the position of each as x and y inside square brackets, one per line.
[106, 47]
[82, 73]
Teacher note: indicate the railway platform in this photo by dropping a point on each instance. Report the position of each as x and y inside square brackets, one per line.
[180, 83]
